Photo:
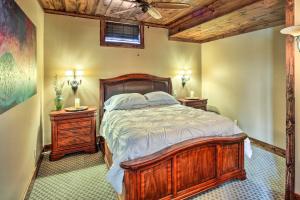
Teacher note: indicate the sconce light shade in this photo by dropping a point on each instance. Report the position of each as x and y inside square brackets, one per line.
[74, 82]
[293, 31]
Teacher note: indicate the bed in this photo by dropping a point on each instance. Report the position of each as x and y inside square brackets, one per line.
[180, 170]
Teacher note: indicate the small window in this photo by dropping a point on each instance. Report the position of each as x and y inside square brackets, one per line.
[121, 35]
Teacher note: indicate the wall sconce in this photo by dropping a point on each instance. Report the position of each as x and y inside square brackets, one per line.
[293, 31]
[74, 82]
[185, 76]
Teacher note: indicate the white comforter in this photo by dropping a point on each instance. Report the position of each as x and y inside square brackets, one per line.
[135, 133]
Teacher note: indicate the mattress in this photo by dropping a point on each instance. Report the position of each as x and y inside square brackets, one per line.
[132, 134]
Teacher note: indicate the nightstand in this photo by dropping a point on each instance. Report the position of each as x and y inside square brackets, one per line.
[73, 132]
[195, 103]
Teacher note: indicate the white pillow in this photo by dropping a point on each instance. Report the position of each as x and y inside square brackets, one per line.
[160, 98]
[125, 102]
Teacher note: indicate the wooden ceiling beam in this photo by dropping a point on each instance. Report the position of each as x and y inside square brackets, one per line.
[256, 16]
[98, 17]
[184, 40]
[214, 10]
[261, 26]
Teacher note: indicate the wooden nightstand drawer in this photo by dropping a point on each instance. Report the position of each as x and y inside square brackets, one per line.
[195, 103]
[74, 123]
[203, 107]
[73, 132]
[71, 141]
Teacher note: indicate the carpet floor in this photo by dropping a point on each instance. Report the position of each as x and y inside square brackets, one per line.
[83, 177]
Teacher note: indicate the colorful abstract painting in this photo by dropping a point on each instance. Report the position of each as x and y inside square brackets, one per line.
[18, 65]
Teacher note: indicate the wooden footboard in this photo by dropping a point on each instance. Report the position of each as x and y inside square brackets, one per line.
[185, 169]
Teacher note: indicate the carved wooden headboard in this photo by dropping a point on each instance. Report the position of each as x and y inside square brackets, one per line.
[138, 83]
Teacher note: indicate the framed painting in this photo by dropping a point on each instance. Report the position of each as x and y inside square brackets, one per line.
[18, 65]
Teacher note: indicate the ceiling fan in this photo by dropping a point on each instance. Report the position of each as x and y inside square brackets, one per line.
[150, 8]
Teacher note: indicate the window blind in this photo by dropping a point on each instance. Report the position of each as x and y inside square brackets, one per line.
[126, 33]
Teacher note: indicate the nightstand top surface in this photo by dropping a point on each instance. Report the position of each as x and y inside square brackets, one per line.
[190, 100]
[63, 112]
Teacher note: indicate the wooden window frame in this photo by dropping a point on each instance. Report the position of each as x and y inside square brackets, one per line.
[115, 44]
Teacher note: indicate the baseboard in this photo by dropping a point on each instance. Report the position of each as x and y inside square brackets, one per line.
[297, 196]
[35, 173]
[268, 147]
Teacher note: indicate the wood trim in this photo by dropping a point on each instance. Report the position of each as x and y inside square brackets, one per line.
[71, 14]
[98, 17]
[112, 44]
[183, 40]
[290, 104]
[268, 147]
[205, 14]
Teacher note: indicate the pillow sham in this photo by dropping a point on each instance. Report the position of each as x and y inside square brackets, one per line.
[160, 98]
[125, 102]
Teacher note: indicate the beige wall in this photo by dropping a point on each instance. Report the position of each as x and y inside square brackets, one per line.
[297, 94]
[73, 41]
[244, 78]
[21, 129]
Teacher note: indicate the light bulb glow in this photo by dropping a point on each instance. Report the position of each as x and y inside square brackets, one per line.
[69, 73]
[79, 73]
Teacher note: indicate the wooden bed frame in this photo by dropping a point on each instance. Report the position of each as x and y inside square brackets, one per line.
[179, 171]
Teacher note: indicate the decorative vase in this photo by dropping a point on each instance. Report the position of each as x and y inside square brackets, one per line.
[59, 102]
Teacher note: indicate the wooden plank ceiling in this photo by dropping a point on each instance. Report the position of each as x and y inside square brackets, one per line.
[203, 21]
[109, 7]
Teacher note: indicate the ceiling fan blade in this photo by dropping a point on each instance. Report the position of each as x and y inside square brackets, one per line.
[154, 13]
[124, 11]
[170, 5]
